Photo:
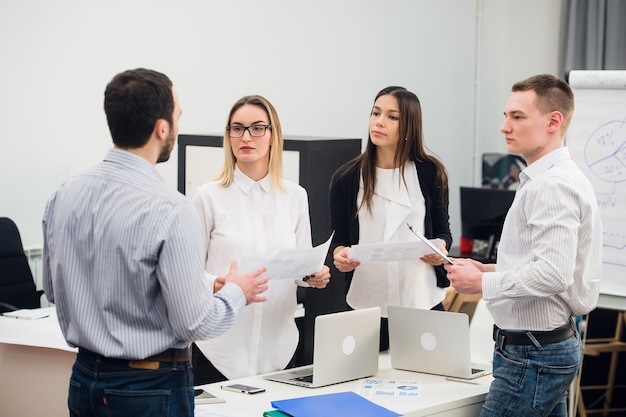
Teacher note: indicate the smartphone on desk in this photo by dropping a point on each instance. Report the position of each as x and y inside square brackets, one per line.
[246, 389]
[204, 397]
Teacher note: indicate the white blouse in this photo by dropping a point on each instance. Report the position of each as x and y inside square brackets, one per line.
[250, 218]
[406, 284]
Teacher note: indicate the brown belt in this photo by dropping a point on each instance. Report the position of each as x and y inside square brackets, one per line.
[172, 355]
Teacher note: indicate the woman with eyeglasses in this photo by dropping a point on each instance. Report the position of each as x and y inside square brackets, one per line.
[250, 210]
[394, 183]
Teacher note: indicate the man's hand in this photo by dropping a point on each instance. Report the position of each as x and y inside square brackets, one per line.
[250, 283]
[466, 275]
[219, 283]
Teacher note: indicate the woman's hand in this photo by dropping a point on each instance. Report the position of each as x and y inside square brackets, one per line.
[434, 259]
[342, 261]
[319, 279]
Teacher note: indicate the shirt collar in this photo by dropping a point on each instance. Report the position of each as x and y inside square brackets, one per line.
[544, 163]
[246, 183]
[132, 161]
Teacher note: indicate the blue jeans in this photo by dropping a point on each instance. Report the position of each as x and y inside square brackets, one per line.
[532, 380]
[103, 387]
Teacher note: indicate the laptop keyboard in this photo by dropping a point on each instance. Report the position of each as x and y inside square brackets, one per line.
[475, 371]
[306, 378]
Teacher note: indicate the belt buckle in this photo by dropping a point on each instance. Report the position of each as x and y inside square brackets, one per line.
[143, 364]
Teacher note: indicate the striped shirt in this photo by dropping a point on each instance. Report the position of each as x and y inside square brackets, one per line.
[124, 263]
[549, 263]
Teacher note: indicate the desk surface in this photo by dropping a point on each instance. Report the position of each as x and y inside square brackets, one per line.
[438, 394]
[44, 332]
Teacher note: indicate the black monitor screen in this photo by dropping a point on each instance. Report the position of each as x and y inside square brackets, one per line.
[483, 211]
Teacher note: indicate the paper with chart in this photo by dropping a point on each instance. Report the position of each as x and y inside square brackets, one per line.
[394, 251]
[289, 263]
[597, 142]
[393, 388]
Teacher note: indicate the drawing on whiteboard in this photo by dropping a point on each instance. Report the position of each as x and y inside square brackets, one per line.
[597, 140]
[605, 152]
[605, 156]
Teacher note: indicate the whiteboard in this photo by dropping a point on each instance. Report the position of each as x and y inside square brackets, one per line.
[597, 142]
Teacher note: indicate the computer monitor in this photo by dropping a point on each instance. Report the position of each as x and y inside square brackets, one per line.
[501, 170]
[482, 215]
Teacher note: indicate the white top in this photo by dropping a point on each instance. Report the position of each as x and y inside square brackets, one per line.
[550, 254]
[406, 284]
[251, 219]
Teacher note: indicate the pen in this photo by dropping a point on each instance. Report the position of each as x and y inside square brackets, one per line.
[465, 381]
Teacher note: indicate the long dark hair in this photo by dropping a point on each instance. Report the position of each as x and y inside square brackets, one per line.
[410, 149]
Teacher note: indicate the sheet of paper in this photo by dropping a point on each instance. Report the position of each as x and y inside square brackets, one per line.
[391, 388]
[290, 263]
[27, 314]
[394, 251]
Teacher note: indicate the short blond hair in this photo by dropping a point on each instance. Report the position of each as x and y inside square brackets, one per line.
[553, 94]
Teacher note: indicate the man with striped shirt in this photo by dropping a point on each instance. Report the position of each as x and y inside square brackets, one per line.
[124, 265]
[549, 259]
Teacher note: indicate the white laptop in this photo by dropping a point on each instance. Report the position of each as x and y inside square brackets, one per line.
[433, 342]
[345, 348]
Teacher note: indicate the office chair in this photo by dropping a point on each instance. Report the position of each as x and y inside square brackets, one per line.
[17, 286]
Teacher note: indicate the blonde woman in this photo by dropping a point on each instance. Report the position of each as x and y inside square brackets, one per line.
[250, 210]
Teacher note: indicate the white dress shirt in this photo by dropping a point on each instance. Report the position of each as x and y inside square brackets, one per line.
[550, 254]
[407, 284]
[250, 218]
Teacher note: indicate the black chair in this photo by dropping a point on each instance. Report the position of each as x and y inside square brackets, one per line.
[17, 286]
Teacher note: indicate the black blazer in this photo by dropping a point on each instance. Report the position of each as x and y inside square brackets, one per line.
[344, 187]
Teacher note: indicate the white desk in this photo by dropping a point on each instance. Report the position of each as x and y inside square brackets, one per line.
[34, 358]
[440, 397]
[35, 367]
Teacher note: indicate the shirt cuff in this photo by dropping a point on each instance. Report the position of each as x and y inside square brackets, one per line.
[233, 293]
[490, 285]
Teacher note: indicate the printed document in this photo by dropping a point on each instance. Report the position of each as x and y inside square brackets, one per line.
[394, 251]
[290, 263]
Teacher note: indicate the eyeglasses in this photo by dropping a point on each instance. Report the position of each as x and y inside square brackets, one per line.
[256, 131]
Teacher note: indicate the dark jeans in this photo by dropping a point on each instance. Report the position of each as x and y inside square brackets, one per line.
[103, 387]
[532, 380]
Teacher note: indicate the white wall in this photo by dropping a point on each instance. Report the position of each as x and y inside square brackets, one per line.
[518, 39]
[319, 62]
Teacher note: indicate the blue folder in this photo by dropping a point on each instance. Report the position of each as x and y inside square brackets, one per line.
[340, 404]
